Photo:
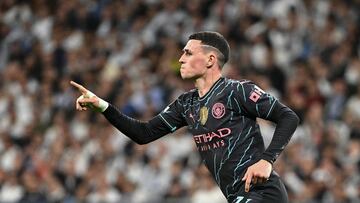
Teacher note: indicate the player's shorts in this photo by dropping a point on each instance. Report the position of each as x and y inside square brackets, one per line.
[272, 190]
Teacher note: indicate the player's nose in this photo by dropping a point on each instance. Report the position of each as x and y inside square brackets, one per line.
[181, 59]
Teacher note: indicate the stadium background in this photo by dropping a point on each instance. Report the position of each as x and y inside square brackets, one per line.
[307, 53]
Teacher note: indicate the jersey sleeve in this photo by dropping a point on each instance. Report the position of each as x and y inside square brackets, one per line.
[254, 101]
[257, 103]
[172, 115]
[143, 132]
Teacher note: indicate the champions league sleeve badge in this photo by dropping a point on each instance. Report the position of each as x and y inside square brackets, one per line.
[204, 112]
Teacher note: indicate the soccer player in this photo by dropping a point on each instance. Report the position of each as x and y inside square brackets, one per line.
[221, 114]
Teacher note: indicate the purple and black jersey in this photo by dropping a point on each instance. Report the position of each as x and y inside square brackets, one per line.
[224, 128]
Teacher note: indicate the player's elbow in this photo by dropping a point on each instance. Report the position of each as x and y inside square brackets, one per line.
[291, 120]
[295, 118]
[287, 117]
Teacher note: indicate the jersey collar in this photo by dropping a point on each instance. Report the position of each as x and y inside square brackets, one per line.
[216, 84]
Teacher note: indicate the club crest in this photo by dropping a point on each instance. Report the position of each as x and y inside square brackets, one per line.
[203, 115]
[218, 110]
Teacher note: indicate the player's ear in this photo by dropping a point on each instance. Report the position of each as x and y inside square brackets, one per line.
[211, 61]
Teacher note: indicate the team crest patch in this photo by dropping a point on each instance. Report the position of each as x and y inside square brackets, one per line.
[203, 115]
[218, 110]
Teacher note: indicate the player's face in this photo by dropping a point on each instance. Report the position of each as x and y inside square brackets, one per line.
[193, 60]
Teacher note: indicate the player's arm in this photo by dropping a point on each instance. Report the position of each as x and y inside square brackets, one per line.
[257, 103]
[286, 122]
[141, 132]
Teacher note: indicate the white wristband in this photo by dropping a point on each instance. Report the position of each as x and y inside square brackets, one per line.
[103, 105]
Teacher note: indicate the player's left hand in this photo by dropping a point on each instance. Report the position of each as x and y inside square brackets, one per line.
[257, 173]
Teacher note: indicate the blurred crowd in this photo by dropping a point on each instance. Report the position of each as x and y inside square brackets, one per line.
[305, 52]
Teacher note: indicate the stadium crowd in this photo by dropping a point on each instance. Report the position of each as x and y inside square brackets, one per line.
[305, 52]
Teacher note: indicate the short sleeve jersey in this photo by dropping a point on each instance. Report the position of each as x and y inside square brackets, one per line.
[224, 128]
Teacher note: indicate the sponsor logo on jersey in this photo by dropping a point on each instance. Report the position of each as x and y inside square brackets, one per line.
[207, 137]
[204, 112]
[207, 142]
[218, 110]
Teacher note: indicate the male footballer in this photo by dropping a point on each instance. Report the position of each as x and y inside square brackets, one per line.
[221, 114]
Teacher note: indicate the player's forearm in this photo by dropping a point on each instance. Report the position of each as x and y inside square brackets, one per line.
[286, 122]
[139, 131]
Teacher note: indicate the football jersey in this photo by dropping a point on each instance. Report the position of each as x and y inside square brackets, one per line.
[224, 128]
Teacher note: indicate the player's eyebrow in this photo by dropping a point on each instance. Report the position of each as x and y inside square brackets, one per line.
[187, 51]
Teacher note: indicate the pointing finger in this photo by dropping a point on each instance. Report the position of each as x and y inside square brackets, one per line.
[81, 88]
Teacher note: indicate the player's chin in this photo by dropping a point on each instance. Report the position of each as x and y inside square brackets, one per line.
[188, 76]
[183, 75]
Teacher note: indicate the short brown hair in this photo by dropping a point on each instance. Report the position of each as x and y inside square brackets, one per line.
[215, 40]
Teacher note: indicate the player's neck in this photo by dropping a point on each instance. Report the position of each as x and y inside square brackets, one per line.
[204, 84]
